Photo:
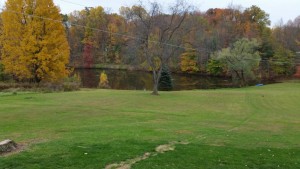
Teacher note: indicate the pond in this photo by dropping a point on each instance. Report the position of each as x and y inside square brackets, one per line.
[139, 80]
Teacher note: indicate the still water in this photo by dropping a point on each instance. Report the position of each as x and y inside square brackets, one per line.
[139, 80]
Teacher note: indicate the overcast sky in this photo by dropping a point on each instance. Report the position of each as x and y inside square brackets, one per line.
[278, 9]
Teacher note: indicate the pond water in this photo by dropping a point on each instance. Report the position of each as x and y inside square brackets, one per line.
[139, 80]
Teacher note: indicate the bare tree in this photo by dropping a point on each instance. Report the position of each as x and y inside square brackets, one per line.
[159, 33]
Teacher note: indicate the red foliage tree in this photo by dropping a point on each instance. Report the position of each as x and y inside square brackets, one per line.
[87, 55]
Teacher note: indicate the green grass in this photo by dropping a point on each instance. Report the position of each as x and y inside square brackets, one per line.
[255, 127]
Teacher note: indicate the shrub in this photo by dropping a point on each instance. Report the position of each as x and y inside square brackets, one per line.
[4, 86]
[216, 67]
[103, 81]
[72, 83]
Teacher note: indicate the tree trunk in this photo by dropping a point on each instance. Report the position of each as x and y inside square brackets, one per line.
[155, 90]
[156, 77]
[243, 79]
[155, 83]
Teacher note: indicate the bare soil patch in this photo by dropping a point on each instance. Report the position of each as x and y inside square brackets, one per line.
[158, 150]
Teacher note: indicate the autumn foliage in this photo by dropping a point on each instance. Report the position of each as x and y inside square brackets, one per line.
[103, 80]
[87, 55]
[34, 43]
[188, 61]
[34, 46]
[122, 39]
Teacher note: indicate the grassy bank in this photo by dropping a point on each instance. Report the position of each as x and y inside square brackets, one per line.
[256, 127]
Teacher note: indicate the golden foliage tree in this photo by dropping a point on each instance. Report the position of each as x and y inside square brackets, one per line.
[34, 43]
[188, 61]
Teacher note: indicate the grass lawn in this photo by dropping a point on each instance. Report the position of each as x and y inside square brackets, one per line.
[255, 127]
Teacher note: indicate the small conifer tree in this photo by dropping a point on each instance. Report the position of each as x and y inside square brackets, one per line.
[165, 81]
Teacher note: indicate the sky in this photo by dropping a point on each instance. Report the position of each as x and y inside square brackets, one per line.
[278, 9]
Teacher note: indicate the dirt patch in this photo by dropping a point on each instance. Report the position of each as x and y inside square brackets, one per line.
[165, 148]
[169, 147]
[19, 148]
[158, 150]
[7, 146]
[128, 163]
[22, 147]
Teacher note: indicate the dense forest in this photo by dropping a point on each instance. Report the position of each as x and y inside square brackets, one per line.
[233, 41]
[97, 37]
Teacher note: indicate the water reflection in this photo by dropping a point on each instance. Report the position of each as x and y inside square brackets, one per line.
[138, 80]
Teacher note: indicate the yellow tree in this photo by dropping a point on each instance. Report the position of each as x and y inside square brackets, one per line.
[114, 42]
[34, 42]
[188, 61]
[112, 53]
[12, 33]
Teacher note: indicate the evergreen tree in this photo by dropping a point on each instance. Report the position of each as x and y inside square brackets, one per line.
[34, 43]
[165, 81]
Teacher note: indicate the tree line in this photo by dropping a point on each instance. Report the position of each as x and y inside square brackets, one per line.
[187, 40]
[232, 41]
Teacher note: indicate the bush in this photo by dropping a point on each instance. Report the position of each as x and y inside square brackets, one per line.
[72, 83]
[216, 67]
[4, 86]
[103, 81]
[7, 86]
